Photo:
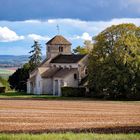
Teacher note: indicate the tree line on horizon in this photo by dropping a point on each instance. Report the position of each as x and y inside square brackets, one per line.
[113, 68]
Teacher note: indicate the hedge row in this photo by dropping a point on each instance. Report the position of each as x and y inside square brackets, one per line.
[2, 89]
[73, 91]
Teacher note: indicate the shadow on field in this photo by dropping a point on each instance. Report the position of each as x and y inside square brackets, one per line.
[110, 130]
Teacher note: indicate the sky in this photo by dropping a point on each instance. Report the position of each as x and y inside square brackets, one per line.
[23, 21]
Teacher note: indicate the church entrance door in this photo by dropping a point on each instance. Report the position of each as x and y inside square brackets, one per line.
[56, 88]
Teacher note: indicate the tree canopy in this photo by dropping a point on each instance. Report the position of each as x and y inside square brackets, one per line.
[35, 58]
[18, 80]
[85, 49]
[114, 64]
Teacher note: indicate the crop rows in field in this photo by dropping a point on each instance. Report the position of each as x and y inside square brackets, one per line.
[43, 115]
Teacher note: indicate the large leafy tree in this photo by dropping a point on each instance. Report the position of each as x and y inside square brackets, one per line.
[35, 58]
[85, 49]
[114, 64]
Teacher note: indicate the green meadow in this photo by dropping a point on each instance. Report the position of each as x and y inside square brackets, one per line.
[70, 136]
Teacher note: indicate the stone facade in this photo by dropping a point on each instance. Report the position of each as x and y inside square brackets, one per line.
[60, 68]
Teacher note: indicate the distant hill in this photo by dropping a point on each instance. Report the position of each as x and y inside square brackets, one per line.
[13, 60]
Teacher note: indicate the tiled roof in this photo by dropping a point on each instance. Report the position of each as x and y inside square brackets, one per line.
[58, 40]
[57, 72]
[42, 69]
[64, 72]
[32, 79]
[67, 58]
[49, 73]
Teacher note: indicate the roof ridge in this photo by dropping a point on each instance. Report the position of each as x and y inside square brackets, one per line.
[67, 58]
[58, 39]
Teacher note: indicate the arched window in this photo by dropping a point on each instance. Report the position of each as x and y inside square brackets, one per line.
[60, 49]
[75, 76]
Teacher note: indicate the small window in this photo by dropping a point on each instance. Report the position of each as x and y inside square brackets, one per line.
[60, 49]
[75, 76]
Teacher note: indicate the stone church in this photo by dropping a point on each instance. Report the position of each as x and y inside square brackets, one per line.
[61, 68]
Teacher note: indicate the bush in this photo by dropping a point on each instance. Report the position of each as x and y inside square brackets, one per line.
[2, 89]
[133, 96]
[4, 84]
[19, 78]
[73, 92]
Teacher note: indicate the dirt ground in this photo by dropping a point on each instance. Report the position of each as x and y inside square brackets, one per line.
[52, 116]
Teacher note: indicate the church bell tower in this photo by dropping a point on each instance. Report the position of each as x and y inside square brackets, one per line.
[57, 45]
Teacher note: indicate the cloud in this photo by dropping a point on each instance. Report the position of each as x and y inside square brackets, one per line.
[84, 36]
[133, 1]
[32, 21]
[92, 27]
[84, 26]
[7, 35]
[38, 37]
[74, 29]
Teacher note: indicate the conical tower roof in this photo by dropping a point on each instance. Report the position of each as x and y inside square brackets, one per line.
[58, 40]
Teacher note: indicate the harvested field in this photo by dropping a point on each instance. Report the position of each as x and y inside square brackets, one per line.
[6, 72]
[38, 116]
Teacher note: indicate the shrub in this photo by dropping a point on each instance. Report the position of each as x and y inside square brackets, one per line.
[2, 89]
[4, 84]
[73, 91]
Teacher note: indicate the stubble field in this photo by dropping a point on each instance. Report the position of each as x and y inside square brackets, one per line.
[37, 116]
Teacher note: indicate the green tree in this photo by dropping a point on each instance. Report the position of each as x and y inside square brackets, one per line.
[85, 49]
[35, 58]
[114, 64]
[18, 79]
[80, 50]
[4, 82]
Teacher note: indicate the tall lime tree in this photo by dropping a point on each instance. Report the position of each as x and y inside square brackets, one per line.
[35, 58]
[114, 64]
